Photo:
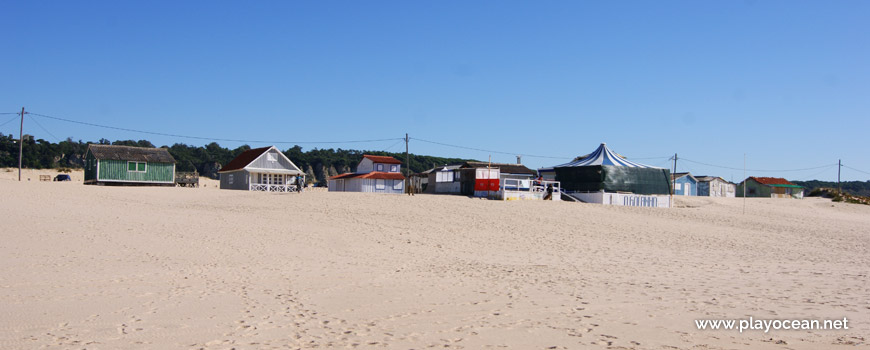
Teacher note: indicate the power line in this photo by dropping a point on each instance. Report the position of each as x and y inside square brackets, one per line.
[725, 167]
[860, 171]
[393, 145]
[44, 129]
[490, 151]
[669, 158]
[10, 120]
[814, 175]
[208, 138]
[8, 113]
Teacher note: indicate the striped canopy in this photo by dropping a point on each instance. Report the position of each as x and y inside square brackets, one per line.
[603, 156]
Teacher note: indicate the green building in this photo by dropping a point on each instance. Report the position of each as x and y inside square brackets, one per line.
[125, 165]
[769, 187]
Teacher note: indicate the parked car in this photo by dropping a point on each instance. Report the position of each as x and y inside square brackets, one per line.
[62, 177]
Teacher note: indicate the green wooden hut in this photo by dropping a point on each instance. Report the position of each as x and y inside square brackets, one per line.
[769, 187]
[125, 165]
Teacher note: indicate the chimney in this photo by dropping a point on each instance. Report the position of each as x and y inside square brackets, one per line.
[519, 159]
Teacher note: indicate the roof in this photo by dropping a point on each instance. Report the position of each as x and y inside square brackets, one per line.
[380, 175]
[129, 153]
[675, 176]
[601, 156]
[707, 178]
[504, 168]
[242, 160]
[772, 181]
[442, 168]
[382, 159]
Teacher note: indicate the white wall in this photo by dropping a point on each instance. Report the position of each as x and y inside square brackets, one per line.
[625, 199]
[365, 166]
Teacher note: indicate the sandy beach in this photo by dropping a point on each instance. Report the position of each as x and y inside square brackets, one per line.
[101, 267]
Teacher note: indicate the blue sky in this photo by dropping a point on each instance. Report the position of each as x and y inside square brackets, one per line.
[785, 82]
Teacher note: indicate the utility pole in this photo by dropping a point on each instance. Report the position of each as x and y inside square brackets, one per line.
[20, 143]
[408, 166]
[407, 157]
[674, 177]
[839, 168]
[744, 183]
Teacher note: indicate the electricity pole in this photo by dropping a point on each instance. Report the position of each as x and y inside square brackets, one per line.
[745, 182]
[839, 168]
[408, 166]
[20, 143]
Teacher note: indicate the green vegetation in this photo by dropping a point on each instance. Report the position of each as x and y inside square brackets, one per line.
[855, 188]
[839, 197]
[206, 160]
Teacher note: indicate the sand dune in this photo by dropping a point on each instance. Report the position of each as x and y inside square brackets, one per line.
[176, 268]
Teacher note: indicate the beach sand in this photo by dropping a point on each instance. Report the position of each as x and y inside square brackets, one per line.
[101, 267]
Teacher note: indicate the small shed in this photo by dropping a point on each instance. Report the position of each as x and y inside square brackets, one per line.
[260, 169]
[769, 187]
[378, 174]
[444, 179]
[714, 186]
[684, 184]
[469, 174]
[127, 165]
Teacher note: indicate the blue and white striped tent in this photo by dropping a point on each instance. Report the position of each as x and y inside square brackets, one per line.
[601, 156]
[606, 170]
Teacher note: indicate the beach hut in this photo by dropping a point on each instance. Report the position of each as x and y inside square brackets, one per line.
[378, 174]
[684, 184]
[606, 177]
[471, 172]
[260, 169]
[444, 179]
[714, 186]
[126, 165]
[769, 187]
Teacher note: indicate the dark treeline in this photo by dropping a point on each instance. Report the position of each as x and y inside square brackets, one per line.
[206, 160]
[855, 188]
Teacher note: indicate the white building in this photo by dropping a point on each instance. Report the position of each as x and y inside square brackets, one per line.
[380, 174]
[714, 186]
[260, 169]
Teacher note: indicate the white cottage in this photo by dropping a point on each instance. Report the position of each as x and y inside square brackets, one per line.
[714, 186]
[260, 169]
[380, 174]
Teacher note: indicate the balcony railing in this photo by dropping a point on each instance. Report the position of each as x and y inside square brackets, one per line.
[272, 188]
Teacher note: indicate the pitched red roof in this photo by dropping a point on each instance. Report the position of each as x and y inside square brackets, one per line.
[372, 175]
[382, 159]
[771, 180]
[244, 159]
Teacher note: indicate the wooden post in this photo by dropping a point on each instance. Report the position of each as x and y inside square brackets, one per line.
[408, 166]
[673, 181]
[20, 143]
[839, 168]
[744, 183]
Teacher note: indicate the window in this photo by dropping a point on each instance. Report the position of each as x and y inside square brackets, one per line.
[230, 178]
[444, 176]
[271, 157]
[397, 184]
[379, 184]
[394, 168]
[380, 167]
[136, 167]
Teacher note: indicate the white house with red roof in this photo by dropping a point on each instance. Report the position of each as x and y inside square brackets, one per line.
[380, 174]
